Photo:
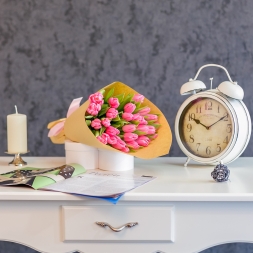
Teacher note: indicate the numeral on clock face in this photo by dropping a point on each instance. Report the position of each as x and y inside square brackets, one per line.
[197, 146]
[206, 127]
[189, 127]
[229, 128]
[208, 105]
[191, 116]
[208, 150]
[191, 138]
[218, 149]
[226, 140]
[226, 116]
[198, 109]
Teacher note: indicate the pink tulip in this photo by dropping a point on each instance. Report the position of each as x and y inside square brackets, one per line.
[138, 98]
[93, 109]
[105, 122]
[143, 141]
[143, 121]
[129, 107]
[112, 131]
[111, 113]
[133, 145]
[96, 98]
[144, 111]
[143, 128]
[128, 137]
[103, 138]
[125, 149]
[127, 116]
[151, 117]
[112, 139]
[119, 145]
[151, 130]
[129, 128]
[136, 116]
[96, 124]
[113, 102]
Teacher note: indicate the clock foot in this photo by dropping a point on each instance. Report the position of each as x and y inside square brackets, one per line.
[187, 161]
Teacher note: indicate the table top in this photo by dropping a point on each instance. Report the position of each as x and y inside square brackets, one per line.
[173, 182]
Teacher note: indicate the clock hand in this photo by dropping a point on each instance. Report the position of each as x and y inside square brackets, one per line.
[218, 120]
[197, 121]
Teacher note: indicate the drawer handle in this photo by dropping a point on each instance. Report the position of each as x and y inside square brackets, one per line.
[105, 224]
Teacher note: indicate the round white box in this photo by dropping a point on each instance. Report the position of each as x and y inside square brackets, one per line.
[115, 161]
[82, 154]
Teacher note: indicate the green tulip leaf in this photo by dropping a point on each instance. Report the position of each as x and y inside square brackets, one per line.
[139, 109]
[139, 132]
[103, 110]
[109, 94]
[101, 130]
[138, 104]
[88, 122]
[120, 97]
[88, 117]
[116, 119]
[127, 99]
[155, 125]
[151, 122]
[116, 125]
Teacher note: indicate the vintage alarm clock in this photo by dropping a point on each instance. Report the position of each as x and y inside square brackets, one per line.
[212, 126]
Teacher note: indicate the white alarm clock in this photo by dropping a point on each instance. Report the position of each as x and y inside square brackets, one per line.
[212, 126]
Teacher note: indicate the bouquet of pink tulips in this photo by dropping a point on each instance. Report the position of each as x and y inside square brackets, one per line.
[121, 121]
[117, 119]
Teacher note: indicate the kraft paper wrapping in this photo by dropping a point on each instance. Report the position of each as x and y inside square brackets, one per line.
[76, 130]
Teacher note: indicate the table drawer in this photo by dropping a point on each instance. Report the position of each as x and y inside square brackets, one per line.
[154, 223]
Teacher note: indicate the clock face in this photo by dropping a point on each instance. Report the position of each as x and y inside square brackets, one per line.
[206, 127]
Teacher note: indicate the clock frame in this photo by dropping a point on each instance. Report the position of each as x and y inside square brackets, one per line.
[240, 128]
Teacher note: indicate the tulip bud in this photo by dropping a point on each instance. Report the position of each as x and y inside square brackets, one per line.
[138, 98]
[105, 122]
[151, 117]
[144, 111]
[129, 107]
[143, 141]
[127, 116]
[129, 128]
[128, 137]
[103, 138]
[151, 130]
[113, 102]
[133, 145]
[111, 113]
[112, 131]
[96, 124]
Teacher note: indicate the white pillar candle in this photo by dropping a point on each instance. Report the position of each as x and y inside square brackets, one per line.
[17, 133]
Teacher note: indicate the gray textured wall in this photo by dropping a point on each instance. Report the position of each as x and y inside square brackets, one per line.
[52, 51]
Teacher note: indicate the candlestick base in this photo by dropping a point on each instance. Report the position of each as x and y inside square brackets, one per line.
[17, 160]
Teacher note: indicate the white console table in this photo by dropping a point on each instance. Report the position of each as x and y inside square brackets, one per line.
[182, 211]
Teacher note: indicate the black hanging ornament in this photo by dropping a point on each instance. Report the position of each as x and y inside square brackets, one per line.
[220, 173]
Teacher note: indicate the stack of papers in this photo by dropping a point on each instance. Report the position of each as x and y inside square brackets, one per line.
[93, 183]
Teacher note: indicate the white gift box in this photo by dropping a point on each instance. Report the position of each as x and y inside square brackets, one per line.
[92, 158]
[82, 154]
[115, 161]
